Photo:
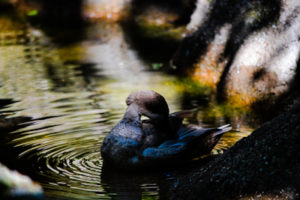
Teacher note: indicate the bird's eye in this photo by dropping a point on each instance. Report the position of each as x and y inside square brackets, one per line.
[145, 118]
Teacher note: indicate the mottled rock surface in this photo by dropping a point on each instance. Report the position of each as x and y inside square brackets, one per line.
[265, 164]
[247, 50]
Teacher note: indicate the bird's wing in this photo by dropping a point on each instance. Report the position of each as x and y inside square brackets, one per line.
[188, 138]
[184, 113]
[168, 150]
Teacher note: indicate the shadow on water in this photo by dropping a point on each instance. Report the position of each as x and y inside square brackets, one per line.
[154, 28]
[152, 50]
[87, 70]
[120, 185]
[8, 125]
[146, 183]
[62, 20]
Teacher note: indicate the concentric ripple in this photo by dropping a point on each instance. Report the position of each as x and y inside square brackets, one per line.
[65, 150]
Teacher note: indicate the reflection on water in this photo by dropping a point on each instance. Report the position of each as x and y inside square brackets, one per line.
[74, 94]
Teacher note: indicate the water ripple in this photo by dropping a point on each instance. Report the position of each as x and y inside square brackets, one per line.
[65, 147]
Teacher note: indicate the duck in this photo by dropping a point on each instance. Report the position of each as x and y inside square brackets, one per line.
[162, 138]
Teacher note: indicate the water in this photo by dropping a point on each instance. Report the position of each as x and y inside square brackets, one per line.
[70, 95]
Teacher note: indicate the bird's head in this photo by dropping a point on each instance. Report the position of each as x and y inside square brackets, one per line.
[150, 104]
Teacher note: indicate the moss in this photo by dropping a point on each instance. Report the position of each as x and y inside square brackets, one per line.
[164, 31]
[191, 87]
[214, 110]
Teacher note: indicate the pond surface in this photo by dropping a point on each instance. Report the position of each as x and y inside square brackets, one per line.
[70, 95]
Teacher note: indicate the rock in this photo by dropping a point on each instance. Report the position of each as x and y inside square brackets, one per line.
[14, 185]
[271, 169]
[246, 50]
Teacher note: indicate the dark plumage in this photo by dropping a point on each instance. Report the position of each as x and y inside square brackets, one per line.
[135, 143]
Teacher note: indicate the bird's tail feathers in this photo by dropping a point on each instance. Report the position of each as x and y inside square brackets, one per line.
[223, 129]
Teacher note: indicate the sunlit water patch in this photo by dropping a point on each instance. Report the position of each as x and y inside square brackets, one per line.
[74, 94]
